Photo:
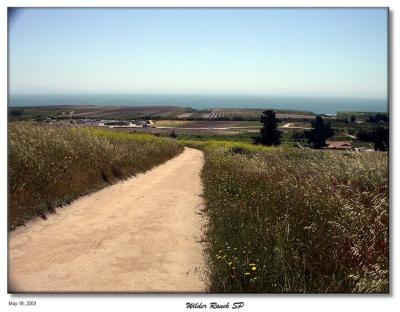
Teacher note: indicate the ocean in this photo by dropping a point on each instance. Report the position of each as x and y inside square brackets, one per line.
[316, 105]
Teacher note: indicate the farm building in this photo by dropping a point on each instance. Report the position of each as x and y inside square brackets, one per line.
[339, 145]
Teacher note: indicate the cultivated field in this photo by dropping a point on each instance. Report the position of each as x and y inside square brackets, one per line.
[51, 165]
[148, 112]
[208, 124]
[97, 112]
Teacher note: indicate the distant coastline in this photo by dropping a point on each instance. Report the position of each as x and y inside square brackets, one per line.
[316, 105]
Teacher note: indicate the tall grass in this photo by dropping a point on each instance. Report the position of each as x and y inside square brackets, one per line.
[296, 221]
[51, 165]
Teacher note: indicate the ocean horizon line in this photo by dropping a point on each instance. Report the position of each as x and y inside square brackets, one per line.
[318, 105]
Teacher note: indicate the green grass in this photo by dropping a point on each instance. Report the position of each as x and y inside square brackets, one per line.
[210, 144]
[52, 165]
[242, 138]
[286, 220]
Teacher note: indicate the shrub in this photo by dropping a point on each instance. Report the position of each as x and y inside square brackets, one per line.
[237, 149]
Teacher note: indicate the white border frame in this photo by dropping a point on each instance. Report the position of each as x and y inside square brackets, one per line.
[135, 302]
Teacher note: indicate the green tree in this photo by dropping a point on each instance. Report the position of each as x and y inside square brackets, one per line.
[319, 133]
[381, 139]
[173, 134]
[269, 133]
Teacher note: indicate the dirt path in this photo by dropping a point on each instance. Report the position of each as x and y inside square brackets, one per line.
[290, 126]
[287, 125]
[140, 235]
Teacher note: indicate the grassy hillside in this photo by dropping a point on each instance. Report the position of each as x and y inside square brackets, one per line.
[50, 165]
[294, 221]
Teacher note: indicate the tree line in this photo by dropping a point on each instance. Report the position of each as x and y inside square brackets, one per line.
[321, 131]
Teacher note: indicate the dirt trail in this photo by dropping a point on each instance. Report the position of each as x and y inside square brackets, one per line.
[140, 235]
[287, 125]
[290, 126]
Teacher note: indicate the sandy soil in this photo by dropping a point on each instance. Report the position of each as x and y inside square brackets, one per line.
[140, 235]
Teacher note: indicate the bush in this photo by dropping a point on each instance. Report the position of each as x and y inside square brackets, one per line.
[366, 135]
[237, 149]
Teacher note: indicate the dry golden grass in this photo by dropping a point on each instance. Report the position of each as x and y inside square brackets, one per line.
[51, 165]
[296, 221]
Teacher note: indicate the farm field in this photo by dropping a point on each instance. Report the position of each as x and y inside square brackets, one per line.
[206, 124]
[92, 111]
[146, 112]
[187, 131]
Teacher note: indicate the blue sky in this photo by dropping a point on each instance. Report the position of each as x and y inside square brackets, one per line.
[295, 52]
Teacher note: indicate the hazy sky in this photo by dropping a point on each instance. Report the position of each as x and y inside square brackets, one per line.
[311, 52]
